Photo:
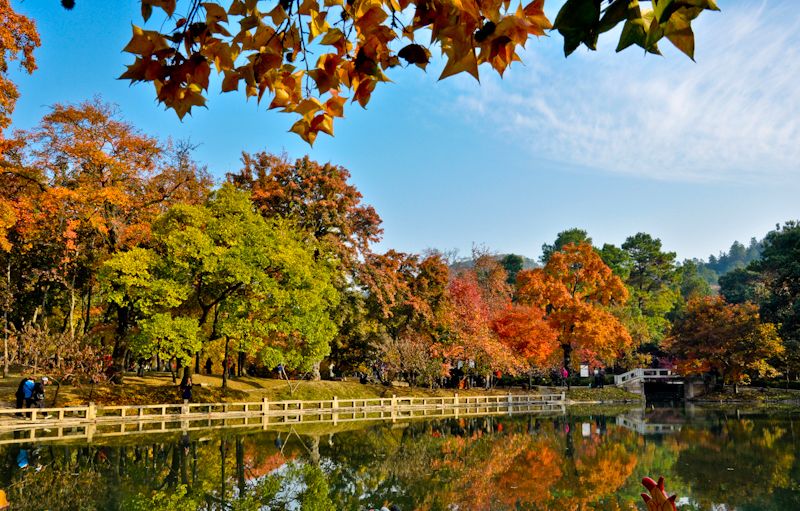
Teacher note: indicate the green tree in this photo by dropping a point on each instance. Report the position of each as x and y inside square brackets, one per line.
[619, 260]
[319, 199]
[741, 285]
[168, 337]
[238, 275]
[779, 268]
[513, 264]
[651, 282]
[573, 236]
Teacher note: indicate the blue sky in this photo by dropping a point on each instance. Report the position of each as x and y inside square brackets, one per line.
[697, 154]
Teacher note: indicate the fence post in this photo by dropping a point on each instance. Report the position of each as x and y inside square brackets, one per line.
[563, 396]
[455, 404]
[394, 408]
[264, 406]
[335, 410]
[91, 412]
[185, 407]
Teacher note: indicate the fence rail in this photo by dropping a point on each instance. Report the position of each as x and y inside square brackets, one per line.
[87, 423]
[333, 410]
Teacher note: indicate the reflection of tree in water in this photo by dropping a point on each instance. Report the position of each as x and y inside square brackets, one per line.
[487, 463]
[478, 464]
[742, 463]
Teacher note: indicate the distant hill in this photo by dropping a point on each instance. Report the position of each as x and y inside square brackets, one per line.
[467, 263]
[738, 256]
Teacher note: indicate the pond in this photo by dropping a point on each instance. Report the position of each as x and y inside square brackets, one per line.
[721, 459]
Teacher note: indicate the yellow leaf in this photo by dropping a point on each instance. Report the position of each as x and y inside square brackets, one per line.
[323, 123]
[303, 128]
[145, 42]
[278, 15]
[335, 105]
[308, 107]
[307, 6]
[467, 63]
[317, 24]
[214, 13]
[280, 100]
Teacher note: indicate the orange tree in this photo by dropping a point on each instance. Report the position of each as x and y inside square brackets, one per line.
[471, 336]
[526, 332]
[575, 289]
[18, 39]
[303, 55]
[728, 339]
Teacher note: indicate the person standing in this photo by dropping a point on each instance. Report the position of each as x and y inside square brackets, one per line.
[24, 391]
[565, 377]
[209, 365]
[186, 390]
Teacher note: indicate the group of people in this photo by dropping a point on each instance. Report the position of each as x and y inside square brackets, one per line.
[30, 393]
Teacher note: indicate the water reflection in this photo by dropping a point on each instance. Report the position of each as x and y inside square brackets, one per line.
[573, 462]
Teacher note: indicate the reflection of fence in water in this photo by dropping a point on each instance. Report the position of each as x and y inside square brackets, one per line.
[88, 423]
[643, 427]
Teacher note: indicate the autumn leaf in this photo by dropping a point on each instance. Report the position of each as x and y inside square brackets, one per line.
[415, 54]
[468, 63]
[679, 32]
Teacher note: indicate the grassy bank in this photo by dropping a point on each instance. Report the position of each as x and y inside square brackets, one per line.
[158, 388]
[750, 395]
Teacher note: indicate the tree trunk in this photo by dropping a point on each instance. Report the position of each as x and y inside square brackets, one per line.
[5, 321]
[225, 365]
[240, 478]
[88, 309]
[240, 371]
[197, 363]
[72, 310]
[172, 371]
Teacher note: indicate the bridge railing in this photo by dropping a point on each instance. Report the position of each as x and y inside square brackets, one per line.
[640, 373]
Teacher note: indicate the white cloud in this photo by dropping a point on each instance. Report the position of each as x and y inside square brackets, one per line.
[732, 116]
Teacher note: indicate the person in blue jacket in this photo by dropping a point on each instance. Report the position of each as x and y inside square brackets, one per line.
[24, 392]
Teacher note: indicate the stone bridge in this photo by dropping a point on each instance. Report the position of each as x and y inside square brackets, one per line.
[640, 381]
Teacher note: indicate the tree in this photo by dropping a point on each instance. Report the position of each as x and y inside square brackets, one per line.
[82, 186]
[357, 43]
[18, 39]
[741, 285]
[525, 330]
[317, 196]
[237, 275]
[168, 337]
[618, 259]
[473, 341]
[576, 289]
[728, 339]
[513, 264]
[321, 201]
[573, 236]
[779, 268]
[408, 298]
[652, 286]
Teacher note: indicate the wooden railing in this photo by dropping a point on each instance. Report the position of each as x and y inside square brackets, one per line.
[90, 422]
